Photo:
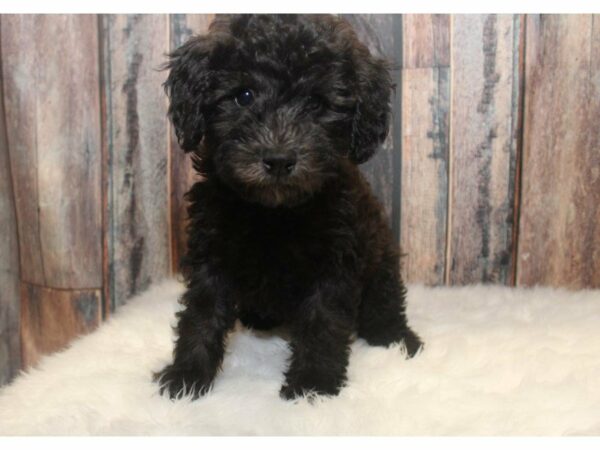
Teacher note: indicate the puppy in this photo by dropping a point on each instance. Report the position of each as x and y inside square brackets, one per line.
[277, 112]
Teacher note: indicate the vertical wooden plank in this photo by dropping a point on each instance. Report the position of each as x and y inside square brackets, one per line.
[10, 349]
[20, 98]
[377, 32]
[182, 176]
[425, 137]
[52, 106]
[108, 305]
[426, 40]
[68, 139]
[485, 88]
[559, 237]
[51, 318]
[52, 115]
[512, 281]
[137, 142]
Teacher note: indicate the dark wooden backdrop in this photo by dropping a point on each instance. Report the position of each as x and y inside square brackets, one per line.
[490, 174]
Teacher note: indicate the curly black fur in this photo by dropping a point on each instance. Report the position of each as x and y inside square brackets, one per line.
[277, 111]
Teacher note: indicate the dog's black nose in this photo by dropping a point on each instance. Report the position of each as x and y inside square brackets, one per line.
[279, 165]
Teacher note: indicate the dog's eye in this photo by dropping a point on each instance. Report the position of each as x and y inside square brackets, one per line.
[315, 102]
[244, 98]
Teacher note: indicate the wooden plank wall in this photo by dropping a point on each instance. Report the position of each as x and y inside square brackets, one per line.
[136, 133]
[485, 95]
[559, 239]
[52, 105]
[490, 173]
[425, 146]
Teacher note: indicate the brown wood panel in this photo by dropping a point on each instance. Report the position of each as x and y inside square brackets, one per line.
[559, 238]
[134, 48]
[485, 95]
[182, 27]
[20, 99]
[426, 40]
[10, 349]
[377, 32]
[425, 137]
[51, 318]
[52, 107]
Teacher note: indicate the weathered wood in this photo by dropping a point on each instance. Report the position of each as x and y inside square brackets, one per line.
[183, 26]
[426, 40]
[377, 32]
[19, 87]
[51, 318]
[137, 142]
[485, 83]
[512, 279]
[10, 349]
[425, 137]
[559, 238]
[108, 305]
[52, 107]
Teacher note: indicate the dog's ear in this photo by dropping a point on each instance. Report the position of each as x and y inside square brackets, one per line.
[186, 87]
[371, 119]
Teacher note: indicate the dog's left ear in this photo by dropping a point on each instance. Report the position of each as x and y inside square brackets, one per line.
[371, 119]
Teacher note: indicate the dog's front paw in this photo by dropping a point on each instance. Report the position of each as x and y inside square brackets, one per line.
[310, 384]
[412, 342]
[179, 382]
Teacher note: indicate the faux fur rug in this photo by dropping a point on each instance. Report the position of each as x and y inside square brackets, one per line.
[497, 361]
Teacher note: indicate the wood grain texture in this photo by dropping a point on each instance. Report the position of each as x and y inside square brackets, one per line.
[485, 84]
[20, 99]
[183, 176]
[137, 142]
[52, 108]
[51, 318]
[10, 348]
[426, 40]
[559, 238]
[108, 305]
[425, 137]
[377, 32]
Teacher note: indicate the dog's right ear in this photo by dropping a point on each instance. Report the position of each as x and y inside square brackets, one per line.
[186, 87]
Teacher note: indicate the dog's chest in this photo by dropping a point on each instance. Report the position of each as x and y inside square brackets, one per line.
[274, 258]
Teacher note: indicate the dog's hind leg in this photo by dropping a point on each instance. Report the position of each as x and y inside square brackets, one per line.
[382, 318]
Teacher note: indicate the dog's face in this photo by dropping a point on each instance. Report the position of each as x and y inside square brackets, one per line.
[272, 105]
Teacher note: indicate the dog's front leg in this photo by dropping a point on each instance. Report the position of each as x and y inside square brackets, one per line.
[202, 329]
[321, 342]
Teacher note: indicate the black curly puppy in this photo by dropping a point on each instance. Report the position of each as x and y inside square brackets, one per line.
[278, 111]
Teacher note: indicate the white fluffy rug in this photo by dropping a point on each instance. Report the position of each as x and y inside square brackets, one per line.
[497, 361]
